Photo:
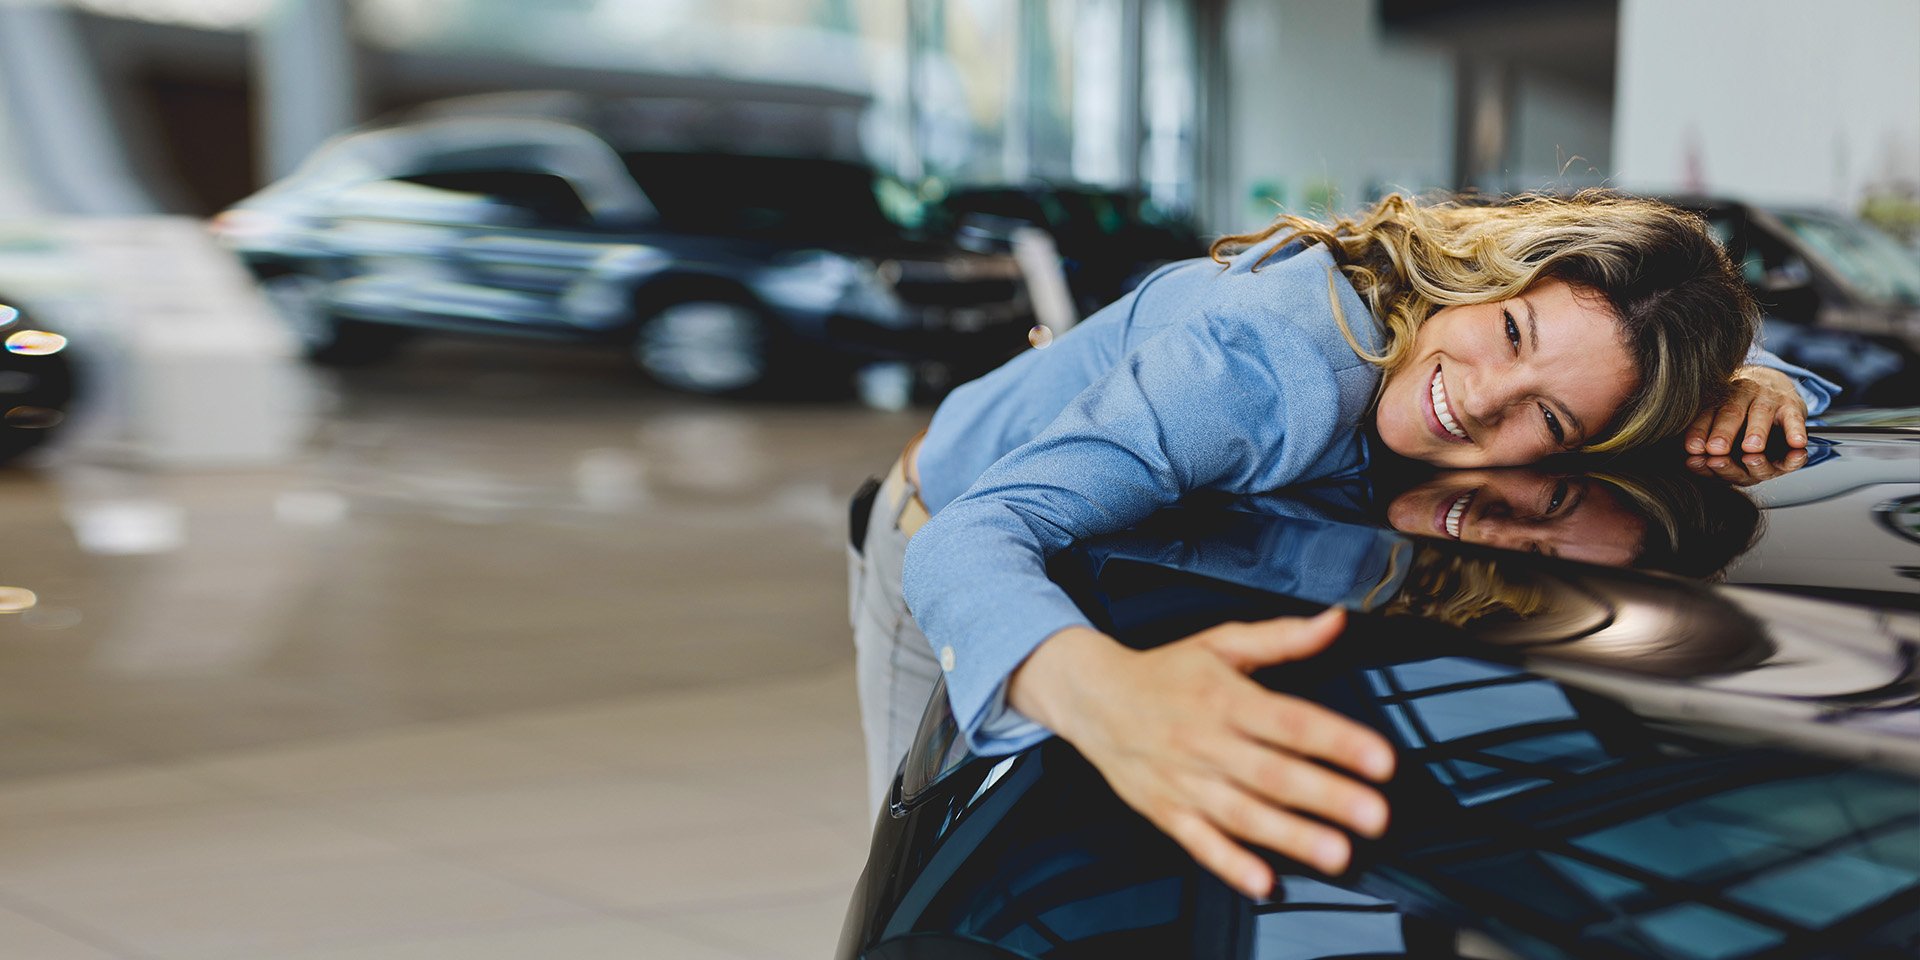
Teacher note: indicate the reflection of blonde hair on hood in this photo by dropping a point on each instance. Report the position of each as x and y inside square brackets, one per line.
[1564, 618]
[1458, 590]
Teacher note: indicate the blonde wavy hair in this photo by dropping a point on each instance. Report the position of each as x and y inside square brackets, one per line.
[1460, 590]
[1684, 313]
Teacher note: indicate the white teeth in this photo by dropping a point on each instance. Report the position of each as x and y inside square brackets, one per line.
[1441, 409]
[1455, 512]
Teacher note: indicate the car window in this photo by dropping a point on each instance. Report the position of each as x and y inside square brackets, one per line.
[1769, 264]
[401, 200]
[551, 199]
[1765, 262]
[996, 203]
[1721, 226]
[1096, 212]
[1871, 261]
[770, 197]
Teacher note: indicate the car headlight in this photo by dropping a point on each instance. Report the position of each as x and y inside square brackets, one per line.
[869, 294]
[824, 281]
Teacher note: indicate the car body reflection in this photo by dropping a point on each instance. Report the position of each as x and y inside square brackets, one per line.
[1594, 761]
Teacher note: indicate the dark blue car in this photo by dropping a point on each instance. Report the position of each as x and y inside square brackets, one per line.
[721, 273]
[1710, 751]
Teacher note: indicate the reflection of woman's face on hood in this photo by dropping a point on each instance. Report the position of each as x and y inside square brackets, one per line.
[1526, 510]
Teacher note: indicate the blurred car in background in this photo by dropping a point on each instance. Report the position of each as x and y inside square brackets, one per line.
[1840, 297]
[721, 273]
[1108, 239]
[36, 381]
[1605, 758]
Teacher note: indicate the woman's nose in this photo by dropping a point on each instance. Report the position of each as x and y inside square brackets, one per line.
[1494, 395]
[1499, 532]
[1488, 397]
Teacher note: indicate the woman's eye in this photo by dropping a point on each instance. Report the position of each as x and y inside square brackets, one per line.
[1553, 426]
[1559, 497]
[1513, 330]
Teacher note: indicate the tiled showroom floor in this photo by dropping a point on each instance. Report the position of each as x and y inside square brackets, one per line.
[521, 659]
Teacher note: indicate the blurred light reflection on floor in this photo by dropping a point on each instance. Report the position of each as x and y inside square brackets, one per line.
[522, 659]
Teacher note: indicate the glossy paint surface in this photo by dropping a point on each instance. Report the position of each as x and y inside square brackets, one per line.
[1595, 761]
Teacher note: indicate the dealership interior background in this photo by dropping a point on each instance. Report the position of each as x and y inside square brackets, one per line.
[495, 649]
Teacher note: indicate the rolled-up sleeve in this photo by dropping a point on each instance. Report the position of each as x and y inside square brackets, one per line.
[1818, 392]
[1206, 404]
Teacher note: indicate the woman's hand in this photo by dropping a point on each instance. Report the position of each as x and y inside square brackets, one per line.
[1749, 469]
[1210, 757]
[1762, 397]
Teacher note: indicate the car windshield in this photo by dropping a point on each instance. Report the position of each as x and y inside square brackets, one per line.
[1103, 212]
[767, 197]
[1872, 262]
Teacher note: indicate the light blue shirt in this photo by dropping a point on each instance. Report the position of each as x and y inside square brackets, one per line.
[1202, 378]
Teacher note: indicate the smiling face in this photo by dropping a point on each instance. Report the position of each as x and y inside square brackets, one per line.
[1509, 382]
[1565, 516]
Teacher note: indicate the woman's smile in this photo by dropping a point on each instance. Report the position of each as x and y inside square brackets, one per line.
[1440, 418]
[1446, 519]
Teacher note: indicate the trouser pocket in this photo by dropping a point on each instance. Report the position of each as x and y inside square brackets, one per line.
[859, 518]
[859, 512]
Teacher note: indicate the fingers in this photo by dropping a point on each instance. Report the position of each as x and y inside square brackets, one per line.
[1761, 399]
[1311, 730]
[1724, 468]
[1286, 722]
[1726, 424]
[1214, 759]
[1749, 469]
[1249, 646]
[1240, 814]
[1295, 784]
[1759, 424]
[1793, 420]
[1794, 460]
[1225, 812]
[1221, 856]
[1697, 432]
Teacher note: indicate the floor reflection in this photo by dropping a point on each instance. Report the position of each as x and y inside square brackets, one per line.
[476, 528]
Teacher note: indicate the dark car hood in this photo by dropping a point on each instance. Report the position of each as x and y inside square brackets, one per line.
[1639, 766]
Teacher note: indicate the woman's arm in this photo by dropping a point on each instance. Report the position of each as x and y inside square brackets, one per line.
[1198, 406]
[1181, 732]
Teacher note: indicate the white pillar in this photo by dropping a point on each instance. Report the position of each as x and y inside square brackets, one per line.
[1133, 55]
[58, 112]
[305, 73]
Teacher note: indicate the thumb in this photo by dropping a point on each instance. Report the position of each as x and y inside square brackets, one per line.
[1250, 646]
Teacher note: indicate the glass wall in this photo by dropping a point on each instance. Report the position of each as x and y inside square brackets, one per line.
[1096, 91]
[1103, 117]
[1169, 161]
[962, 91]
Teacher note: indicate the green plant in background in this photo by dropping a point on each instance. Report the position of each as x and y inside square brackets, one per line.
[1319, 196]
[901, 203]
[1267, 198]
[1896, 212]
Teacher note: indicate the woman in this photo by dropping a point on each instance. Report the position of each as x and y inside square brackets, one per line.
[1463, 336]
